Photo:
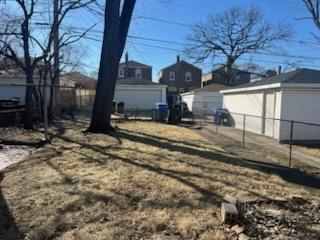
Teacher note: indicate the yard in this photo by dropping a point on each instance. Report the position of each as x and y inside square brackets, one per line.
[145, 181]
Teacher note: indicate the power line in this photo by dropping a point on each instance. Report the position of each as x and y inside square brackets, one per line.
[241, 58]
[164, 21]
[186, 44]
[261, 53]
[192, 25]
[186, 25]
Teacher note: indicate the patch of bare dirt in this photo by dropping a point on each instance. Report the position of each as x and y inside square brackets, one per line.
[283, 220]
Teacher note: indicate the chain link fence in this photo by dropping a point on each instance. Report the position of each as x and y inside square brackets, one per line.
[280, 141]
[283, 142]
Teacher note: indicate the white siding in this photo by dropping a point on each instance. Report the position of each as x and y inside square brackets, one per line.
[203, 103]
[277, 113]
[250, 103]
[188, 99]
[139, 98]
[269, 113]
[304, 106]
[8, 91]
[292, 104]
[211, 102]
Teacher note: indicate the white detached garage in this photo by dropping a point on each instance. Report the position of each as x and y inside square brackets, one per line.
[204, 100]
[139, 94]
[292, 96]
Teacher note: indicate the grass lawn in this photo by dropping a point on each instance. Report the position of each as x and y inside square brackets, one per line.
[145, 181]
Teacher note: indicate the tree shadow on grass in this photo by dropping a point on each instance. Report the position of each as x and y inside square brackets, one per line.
[181, 176]
[288, 174]
[168, 140]
[8, 226]
[207, 195]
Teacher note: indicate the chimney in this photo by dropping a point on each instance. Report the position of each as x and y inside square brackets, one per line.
[278, 70]
[178, 58]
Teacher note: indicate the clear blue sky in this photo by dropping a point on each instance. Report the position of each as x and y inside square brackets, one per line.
[191, 11]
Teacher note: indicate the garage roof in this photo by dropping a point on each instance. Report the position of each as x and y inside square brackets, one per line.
[135, 81]
[302, 75]
[214, 87]
[299, 76]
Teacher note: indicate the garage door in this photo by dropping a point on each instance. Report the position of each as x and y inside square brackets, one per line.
[269, 113]
[138, 98]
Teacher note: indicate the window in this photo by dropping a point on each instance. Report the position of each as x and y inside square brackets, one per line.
[121, 72]
[172, 76]
[138, 73]
[188, 77]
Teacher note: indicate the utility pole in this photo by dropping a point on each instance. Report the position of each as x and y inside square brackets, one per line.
[56, 90]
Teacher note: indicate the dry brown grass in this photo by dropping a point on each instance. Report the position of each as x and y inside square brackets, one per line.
[146, 181]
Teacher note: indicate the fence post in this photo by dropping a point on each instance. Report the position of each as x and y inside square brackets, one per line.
[201, 118]
[85, 98]
[74, 102]
[80, 98]
[217, 125]
[244, 131]
[291, 141]
[45, 110]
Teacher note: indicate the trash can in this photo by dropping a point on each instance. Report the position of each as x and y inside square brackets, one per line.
[121, 107]
[220, 116]
[162, 109]
[114, 107]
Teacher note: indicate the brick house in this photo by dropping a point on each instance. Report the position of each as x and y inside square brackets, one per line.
[218, 76]
[180, 77]
[133, 69]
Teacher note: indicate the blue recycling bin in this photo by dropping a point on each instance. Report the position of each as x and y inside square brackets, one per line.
[162, 109]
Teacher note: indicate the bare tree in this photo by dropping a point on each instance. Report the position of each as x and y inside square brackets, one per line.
[253, 68]
[117, 21]
[233, 33]
[313, 7]
[68, 61]
[20, 42]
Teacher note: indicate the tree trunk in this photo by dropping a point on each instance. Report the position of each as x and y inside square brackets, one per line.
[109, 61]
[228, 72]
[51, 92]
[115, 34]
[28, 122]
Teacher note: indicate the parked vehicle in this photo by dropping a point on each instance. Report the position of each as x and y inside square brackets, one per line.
[222, 116]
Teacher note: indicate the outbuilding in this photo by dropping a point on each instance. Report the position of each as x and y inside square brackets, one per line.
[271, 104]
[204, 100]
[139, 93]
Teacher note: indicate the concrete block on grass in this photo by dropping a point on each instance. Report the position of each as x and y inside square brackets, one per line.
[230, 199]
[229, 212]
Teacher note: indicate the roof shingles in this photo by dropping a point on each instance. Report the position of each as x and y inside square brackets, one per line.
[302, 75]
[135, 81]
